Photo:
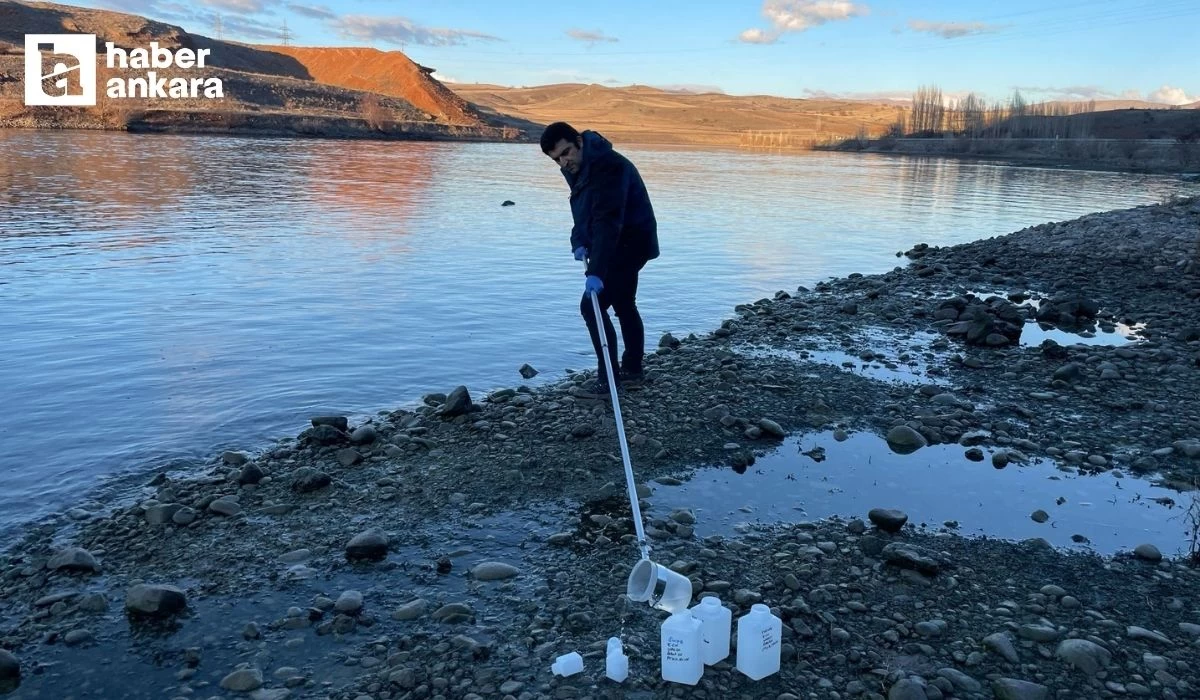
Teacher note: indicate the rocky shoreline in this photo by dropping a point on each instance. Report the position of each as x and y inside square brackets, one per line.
[355, 534]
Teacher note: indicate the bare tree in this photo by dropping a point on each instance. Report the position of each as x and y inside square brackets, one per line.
[373, 112]
[928, 110]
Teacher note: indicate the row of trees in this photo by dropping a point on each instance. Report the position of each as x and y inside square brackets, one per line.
[933, 115]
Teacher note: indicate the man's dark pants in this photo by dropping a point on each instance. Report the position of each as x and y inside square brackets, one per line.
[620, 293]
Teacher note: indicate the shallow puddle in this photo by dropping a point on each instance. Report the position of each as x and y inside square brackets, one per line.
[814, 477]
[1034, 333]
[907, 359]
[142, 662]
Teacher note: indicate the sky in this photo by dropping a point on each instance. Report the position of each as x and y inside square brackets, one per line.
[868, 49]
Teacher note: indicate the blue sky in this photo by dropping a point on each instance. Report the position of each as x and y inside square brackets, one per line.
[1072, 49]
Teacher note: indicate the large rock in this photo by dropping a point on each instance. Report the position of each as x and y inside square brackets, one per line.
[364, 435]
[155, 600]
[339, 422]
[234, 459]
[308, 479]
[348, 456]
[904, 439]
[1014, 689]
[910, 556]
[371, 545]
[494, 571]
[10, 671]
[888, 519]
[457, 403]
[73, 559]
[907, 689]
[162, 513]
[1084, 655]
[251, 474]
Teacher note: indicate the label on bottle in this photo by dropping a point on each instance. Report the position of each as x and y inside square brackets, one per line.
[675, 650]
[769, 640]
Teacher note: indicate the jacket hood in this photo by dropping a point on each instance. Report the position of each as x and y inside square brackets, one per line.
[595, 146]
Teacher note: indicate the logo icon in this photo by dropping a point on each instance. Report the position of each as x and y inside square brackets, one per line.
[60, 70]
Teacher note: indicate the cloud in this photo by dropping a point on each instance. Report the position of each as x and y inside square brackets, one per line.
[243, 6]
[758, 36]
[1079, 93]
[400, 30]
[952, 30]
[315, 12]
[444, 78]
[691, 88]
[876, 96]
[1172, 96]
[201, 20]
[250, 29]
[798, 16]
[589, 37]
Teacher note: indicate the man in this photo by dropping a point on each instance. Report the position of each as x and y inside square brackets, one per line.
[615, 231]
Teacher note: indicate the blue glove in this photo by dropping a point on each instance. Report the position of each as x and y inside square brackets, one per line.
[580, 253]
[592, 285]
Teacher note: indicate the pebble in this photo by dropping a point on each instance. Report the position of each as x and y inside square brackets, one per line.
[349, 603]
[156, 600]
[371, 544]
[411, 610]
[494, 571]
[243, 680]
[1148, 552]
[1001, 644]
[73, 559]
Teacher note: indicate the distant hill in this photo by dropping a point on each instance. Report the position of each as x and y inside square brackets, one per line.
[316, 91]
[643, 114]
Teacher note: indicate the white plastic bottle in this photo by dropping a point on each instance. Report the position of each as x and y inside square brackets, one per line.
[716, 622]
[616, 663]
[567, 664]
[681, 661]
[759, 638]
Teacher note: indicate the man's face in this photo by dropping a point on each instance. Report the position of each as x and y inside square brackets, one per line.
[568, 155]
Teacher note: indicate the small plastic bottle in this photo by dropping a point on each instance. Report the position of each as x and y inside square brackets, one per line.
[716, 621]
[567, 664]
[681, 662]
[759, 637]
[616, 664]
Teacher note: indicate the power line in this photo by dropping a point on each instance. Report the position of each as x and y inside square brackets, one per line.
[286, 35]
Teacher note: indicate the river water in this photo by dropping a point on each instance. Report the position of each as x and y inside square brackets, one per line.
[167, 297]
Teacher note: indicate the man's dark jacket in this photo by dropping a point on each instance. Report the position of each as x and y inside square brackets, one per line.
[611, 209]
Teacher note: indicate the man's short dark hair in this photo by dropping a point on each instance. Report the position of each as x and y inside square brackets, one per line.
[558, 131]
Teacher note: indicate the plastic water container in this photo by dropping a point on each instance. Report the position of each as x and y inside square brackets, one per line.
[681, 642]
[716, 623]
[759, 638]
[567, 664]
[616, 664]
[659, 586]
